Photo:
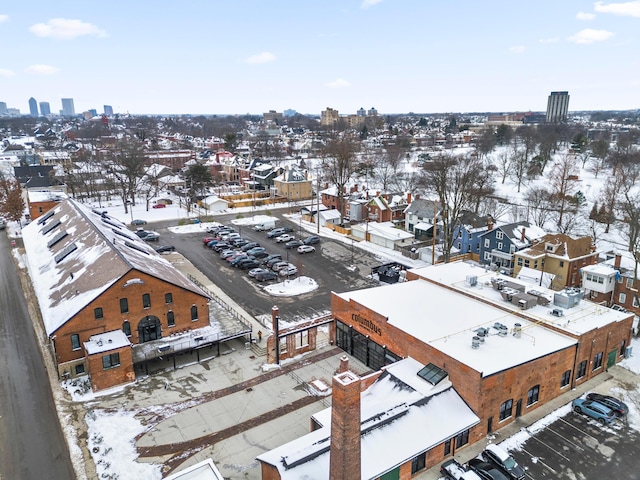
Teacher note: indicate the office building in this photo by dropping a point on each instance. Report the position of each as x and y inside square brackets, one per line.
[33, 107]
[45, 109]
[108, 110]
[68, 110]
[557, 107]
[329, 117]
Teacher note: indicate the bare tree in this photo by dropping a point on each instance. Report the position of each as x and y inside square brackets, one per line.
[11, 203]
[518, 167]
[454, 180]
[502, 162]
[539, 205]
[339, 164]
[127, 165]
[563, 180]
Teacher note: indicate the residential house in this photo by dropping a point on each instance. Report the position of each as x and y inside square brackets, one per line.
[498, 245]
[467, 230]
[419, 217]
[559, 255]
[293, 184]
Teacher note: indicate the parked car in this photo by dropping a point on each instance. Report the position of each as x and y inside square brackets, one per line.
[272, 261]
[254, 271]
[287, 229]
[486, 470]
[224, 254]
[312, 240]
[249, 246]
[295, 243]
[284, 238]
[151, 237]
[595, 410]
[220, 246]
[288, 270]
[141, 232]
[267, 225]
[272, 256]
[618, 406]
[235, 255]
[212, 243]
[505, 462]
[453, 470]
[165, 248]
[266, 276]
[306, 249]
[230, 236]
[276, 232]
[248, 263]
[138, 221]
[159, 205]
[235, 260]
[207, 240]
[239, 242]
[214, 228]
[258, 254]
[279, 265]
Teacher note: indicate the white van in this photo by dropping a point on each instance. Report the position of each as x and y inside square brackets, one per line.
[266, 225]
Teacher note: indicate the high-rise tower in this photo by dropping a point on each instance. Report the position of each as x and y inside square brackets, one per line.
[45, 109]
[68, 110]
[557, 107]
[33, 107]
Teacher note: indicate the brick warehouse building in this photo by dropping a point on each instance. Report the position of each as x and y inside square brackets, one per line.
[505, 346]
[103, 293]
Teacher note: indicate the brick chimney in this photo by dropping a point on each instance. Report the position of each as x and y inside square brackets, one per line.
[409, 198]
[489, 223]
[617, 261]
[345, 458]
[522, 237]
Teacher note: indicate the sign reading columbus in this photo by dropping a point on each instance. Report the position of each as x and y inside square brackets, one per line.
[368, 324]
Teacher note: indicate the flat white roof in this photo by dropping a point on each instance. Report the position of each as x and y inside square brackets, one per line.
[205, 470]
[448, 320]
[104, 342]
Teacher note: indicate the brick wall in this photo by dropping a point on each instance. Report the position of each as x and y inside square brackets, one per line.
[102, 378]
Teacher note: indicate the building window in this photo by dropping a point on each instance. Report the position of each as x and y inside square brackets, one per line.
[75, 342]
[124, 305]
[499, 235]
[126, 328]
[532, 395]
[623, 347]
[110, 361]
[146, 300]
[487, 243]
[447, 447]
[597, 360]
[79, 369]
[526, 263]
[519, 261]
[462, 439]
[622, 298]
[302, 339]
[487, 256]
[582, 369]
[171, 319]
[505, 409]
[168, 298]
[500, 246]
[418, 463]
[283, 345]
[535, 264]
[630, 282]
[194, 313]
[561, 264]
[98, 313]
[566, 378]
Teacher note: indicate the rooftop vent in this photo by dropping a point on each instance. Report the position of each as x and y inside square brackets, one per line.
[517, 330]
[472, 280]
[475, 342]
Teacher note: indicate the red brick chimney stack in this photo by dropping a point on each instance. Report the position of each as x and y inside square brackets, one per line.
[617, 261]
[489, 223]
[344, 364]
[275, 311]
[345, 457]
[523, 237]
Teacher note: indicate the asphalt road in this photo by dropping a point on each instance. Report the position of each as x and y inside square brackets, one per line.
[32, 445]
[576, 447]
[330, 266]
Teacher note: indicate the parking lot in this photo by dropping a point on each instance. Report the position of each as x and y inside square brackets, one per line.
[335, 266]
[577, 447]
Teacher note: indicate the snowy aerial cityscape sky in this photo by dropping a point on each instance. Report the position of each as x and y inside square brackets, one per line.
[251, 56]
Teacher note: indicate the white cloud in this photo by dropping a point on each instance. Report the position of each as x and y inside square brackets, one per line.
[517, 49]
[258, 58]
[6, 73]
[589, 35]
[585, 16]
[65, 29]
[338, 83]
[41, 70]
[369, 3]
[550, 40]
[4, 18]
[627, 9]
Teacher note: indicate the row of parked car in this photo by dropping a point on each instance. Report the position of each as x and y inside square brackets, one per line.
[602, 408]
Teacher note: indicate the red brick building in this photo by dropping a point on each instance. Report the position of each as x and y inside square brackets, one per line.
[103, 293]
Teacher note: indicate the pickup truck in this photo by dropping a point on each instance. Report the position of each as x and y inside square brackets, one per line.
[455, 471]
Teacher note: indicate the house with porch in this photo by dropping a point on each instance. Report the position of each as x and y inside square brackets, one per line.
[498, 245]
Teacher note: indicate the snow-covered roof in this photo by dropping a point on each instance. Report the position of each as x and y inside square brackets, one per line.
[535, 277]
[75, 254]
[385, 230]
[35, 196]
[104, 342]
[402, 415]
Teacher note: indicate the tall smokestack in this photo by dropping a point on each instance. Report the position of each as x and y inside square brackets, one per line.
[345, 457]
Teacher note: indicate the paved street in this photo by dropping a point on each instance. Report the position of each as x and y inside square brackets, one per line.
[32, 445]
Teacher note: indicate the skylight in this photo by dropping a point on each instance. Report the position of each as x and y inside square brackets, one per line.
[57, 238]
[65, 251]
[432, 374]
[45, 217]
[136, 247]
[48, 228]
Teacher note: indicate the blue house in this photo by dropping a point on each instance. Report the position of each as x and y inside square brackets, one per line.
[467, 231]
[498, 245]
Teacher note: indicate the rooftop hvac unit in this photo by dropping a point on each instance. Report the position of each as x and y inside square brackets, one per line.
[502, 332]
[472, 280]
[475, 342]
[557, 312]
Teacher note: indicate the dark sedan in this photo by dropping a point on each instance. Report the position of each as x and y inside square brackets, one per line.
[293, 244]
[486, 470]
[165, 248]
[505, 462]
[618, 406]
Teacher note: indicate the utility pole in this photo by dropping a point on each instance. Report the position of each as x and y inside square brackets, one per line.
[318, 199]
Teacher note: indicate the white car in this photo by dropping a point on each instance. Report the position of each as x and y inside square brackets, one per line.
[284, 238]
[306, 249]
[288, 270]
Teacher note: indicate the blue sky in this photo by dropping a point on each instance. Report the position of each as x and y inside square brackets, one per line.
[251, 56]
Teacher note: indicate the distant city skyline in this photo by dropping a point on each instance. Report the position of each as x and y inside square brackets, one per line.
[251, 57]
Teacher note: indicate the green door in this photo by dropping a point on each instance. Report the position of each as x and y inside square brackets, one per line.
[392, 475]
[611, 358]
